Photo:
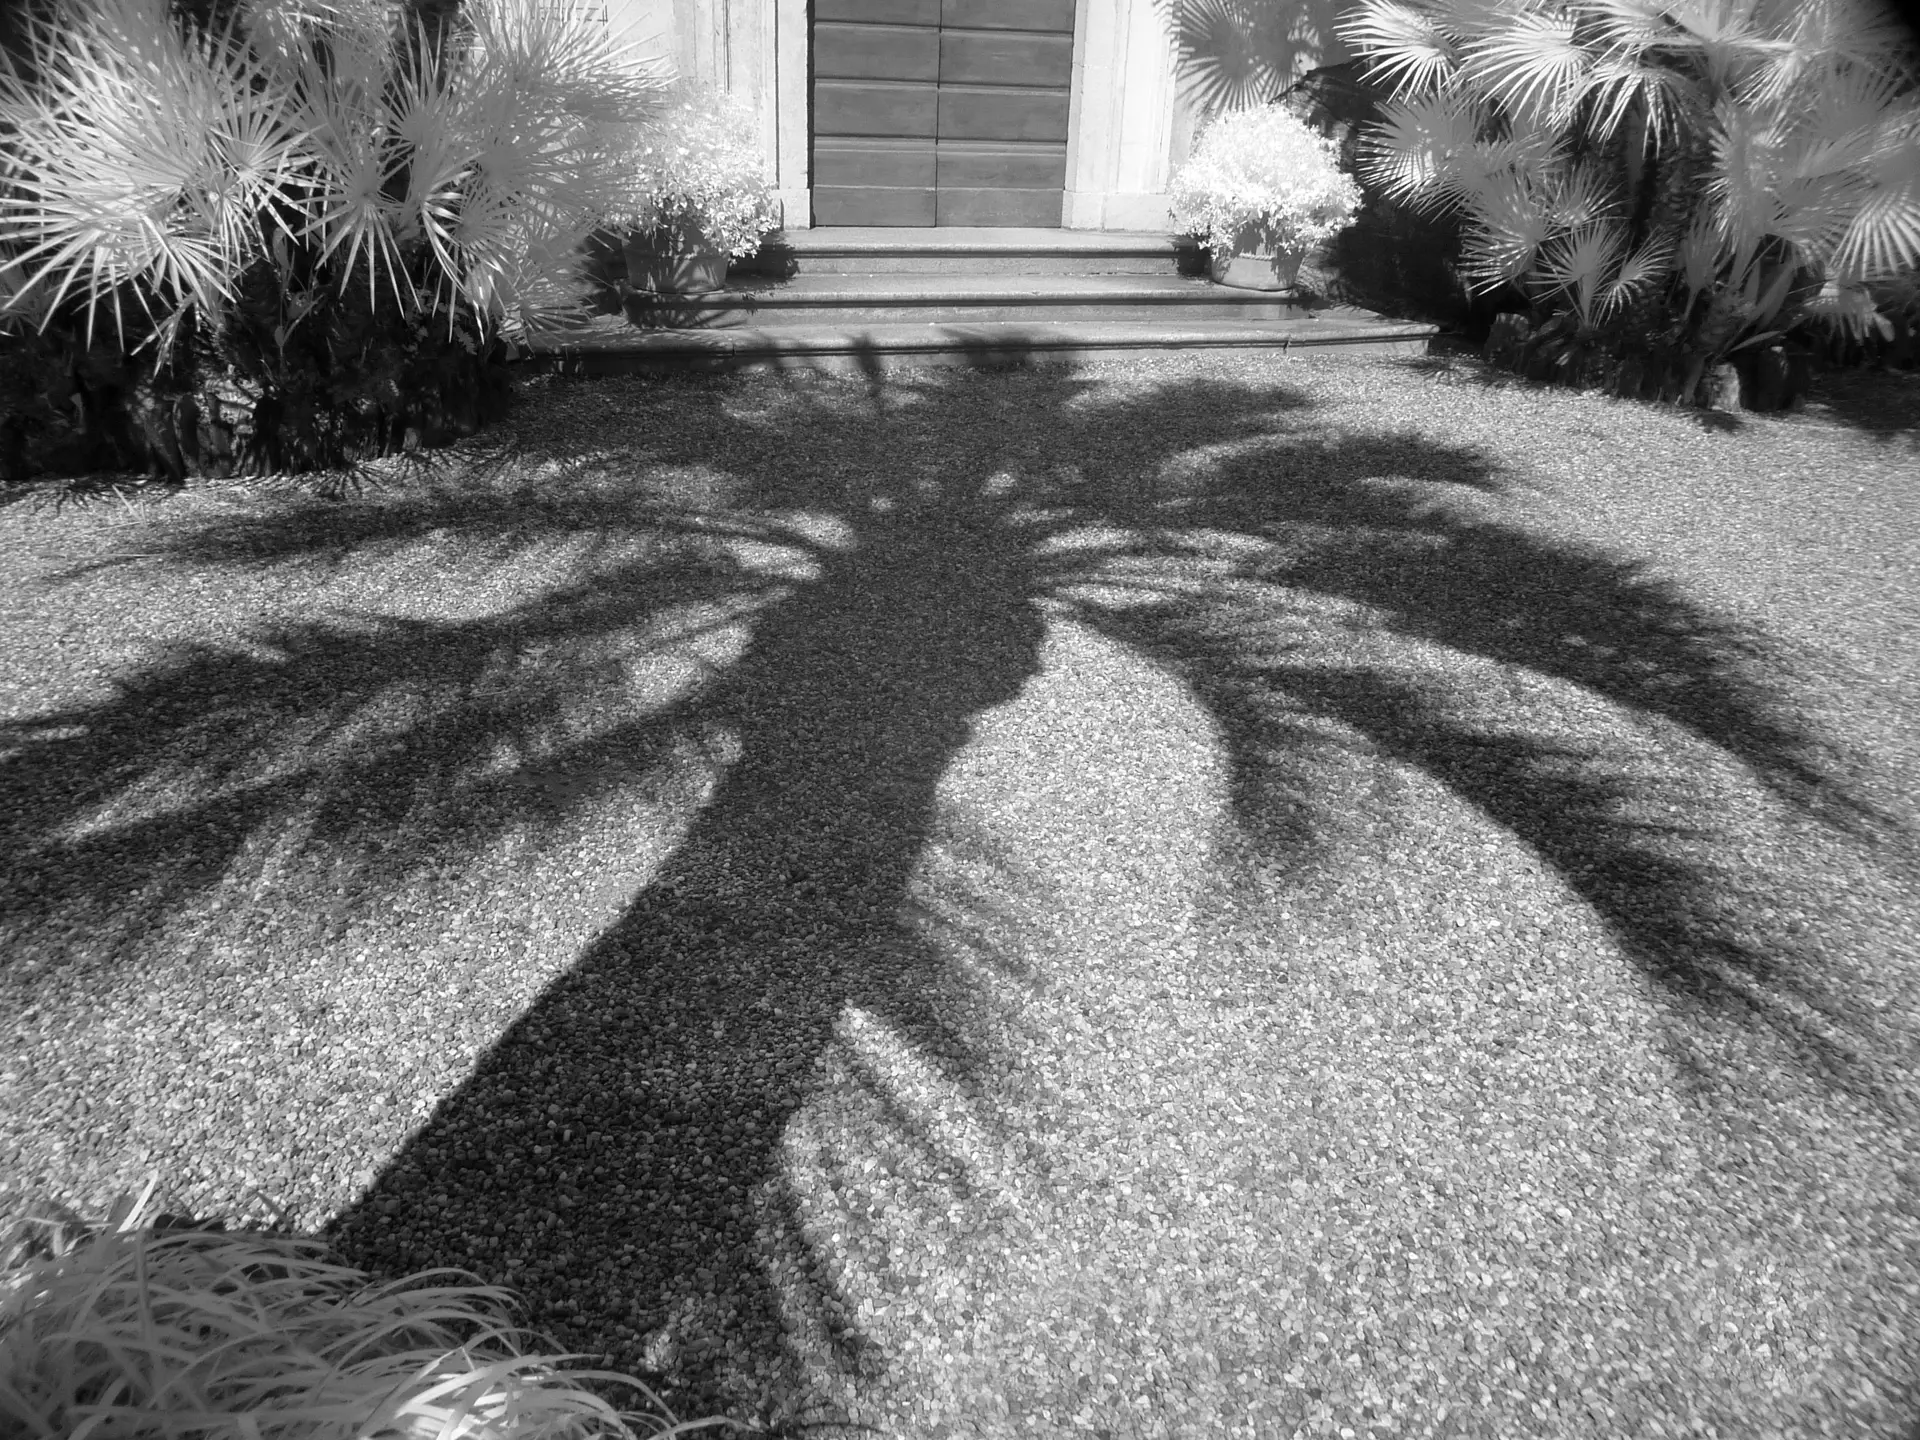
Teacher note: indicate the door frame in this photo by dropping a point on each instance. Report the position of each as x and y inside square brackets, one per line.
[1123, 121]
[1128, 124]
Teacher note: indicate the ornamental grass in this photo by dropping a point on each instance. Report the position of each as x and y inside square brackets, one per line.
[178, 1328]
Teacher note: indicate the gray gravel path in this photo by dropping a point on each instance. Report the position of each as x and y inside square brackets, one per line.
[1180, 899]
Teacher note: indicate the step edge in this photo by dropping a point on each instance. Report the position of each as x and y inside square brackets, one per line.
[958, 295]
[925, 244]
[1062, 335]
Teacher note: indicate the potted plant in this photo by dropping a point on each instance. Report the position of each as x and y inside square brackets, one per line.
[1260, 190]
[696, 193]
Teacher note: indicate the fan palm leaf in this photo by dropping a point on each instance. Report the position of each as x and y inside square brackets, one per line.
[440, 162]
[1579, 195]
[1883, 236]
[1509, 220]
[1614, 86]
[140, 159]
[1579, 263]
[1721, 35]
[584, 70]
[1415, 154]
[1698, 254]
[1641, 272]
[1405, 46]
[1534, 66]
[1827, 41]
[1741, 186]
[1847, 306]
[353, 217]
[1624, 30]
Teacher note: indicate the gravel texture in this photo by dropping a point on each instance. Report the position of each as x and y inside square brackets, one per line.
[1192, 898]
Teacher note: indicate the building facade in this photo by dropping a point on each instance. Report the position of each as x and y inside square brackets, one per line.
[1068, 113]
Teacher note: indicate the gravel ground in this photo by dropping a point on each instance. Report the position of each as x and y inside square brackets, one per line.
[1192, 898]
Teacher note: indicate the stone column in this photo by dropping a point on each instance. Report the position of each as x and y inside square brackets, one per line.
[793, 146]
[1121, 130]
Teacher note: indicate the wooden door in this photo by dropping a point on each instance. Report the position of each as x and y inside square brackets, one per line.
[940, 112]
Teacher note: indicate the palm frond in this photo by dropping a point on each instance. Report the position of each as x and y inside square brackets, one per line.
[353, 217]
[1624, 30]
[1534, 66]
[1883, 236]
[1767, 299]
[1847, 307]
[1616, 85]
[570, 65]
[1721, 33]
[115, 155]
[1404, 46]
[1579, 264]
[1414, 153]
[1815, 210]
[1699, 254]
[441, 156]
[1642, 271]
[1828, 39]
[1741, 186]
[1580, 195]
[1508, 223]
[1857, 114]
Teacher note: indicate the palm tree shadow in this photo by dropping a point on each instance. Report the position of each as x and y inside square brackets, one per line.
[896, 547]
[654, 1051]
[1551, 612]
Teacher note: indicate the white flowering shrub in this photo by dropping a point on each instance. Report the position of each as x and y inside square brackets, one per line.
[1263, 168]
[698, 162]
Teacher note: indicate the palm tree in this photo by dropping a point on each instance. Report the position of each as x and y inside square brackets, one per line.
[1732, 169]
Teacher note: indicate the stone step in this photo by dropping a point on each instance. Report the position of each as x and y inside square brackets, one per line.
[610, 346]
[809, 299]
[972, 250]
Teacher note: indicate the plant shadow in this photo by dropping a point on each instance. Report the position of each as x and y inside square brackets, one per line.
[790, 605]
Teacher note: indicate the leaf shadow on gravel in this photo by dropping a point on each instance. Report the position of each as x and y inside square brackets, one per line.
[913, 539]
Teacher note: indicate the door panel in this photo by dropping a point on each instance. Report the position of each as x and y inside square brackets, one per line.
[941, 111]
[855, 107]
[978, 113]
[878, 52]
[874, 205]
[1038, 208]
[1005, 57]
[967, 164]
[879, 12]
[1055, 15]
[853, 161]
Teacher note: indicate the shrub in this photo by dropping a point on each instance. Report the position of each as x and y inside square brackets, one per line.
[339, 218]
[1682, 181]
[1262, 175]
[699, 163]
[179, 1328]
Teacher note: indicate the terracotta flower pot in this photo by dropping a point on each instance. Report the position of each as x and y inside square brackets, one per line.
[675, 260]
[1253, 264]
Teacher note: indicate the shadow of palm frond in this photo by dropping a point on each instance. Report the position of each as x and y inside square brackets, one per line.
[357, 730]
[1275, 665]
